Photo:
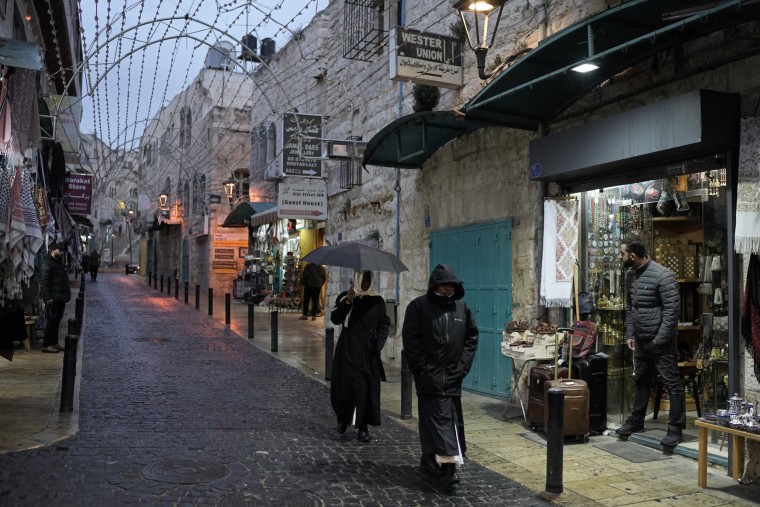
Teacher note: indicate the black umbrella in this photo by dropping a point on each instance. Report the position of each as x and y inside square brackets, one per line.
[356, 256]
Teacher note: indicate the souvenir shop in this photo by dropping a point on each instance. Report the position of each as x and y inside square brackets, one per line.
[623, 178]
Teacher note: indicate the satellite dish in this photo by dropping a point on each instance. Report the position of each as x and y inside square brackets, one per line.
[220, 56]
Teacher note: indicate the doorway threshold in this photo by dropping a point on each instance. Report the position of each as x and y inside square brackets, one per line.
[686, 449]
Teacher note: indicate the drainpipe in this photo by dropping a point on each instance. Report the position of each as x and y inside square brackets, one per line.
[397, 187]
[542, 28]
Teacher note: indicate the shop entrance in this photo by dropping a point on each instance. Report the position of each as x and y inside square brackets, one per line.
[481, 255]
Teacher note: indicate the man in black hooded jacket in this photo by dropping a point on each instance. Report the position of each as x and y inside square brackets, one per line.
[440, 338]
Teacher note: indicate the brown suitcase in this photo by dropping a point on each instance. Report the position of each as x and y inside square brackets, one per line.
[575, 422]
[538, 376]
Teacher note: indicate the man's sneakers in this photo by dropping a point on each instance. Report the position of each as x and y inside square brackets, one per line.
[629, 427]
[51, 349]
[303, 317]
[673, 438]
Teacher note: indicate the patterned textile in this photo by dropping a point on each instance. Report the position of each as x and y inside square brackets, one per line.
[560, 252]
[747, 235]
[22, 92]
[750, 322]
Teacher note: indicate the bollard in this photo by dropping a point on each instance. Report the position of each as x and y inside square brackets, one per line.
[69, 374]
[155, 280]
[197, 296]
[79, 308]
[176, 288]
[555, 404]
[162, 283]
[210, 301]
[250, 320]
[169, 286]
[227, 308]
[329, 351]
[81, 283]
[187, 286]
[274, 316]
[74, 329]
[406, 389]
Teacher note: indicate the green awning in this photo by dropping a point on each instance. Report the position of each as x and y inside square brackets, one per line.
[540, 85]
[241, 215]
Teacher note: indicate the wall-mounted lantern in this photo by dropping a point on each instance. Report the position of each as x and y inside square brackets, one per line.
[480, 12]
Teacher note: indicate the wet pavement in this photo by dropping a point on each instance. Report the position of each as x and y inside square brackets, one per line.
[175, 408]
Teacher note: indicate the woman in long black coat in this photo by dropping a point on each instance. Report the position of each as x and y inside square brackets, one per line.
[357, 367]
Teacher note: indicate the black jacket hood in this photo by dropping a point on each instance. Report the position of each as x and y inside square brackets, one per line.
[443, 273]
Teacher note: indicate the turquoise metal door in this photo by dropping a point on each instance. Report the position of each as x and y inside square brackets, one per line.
[481, 255]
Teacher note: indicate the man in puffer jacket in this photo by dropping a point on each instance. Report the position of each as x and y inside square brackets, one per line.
[651, 329]
[55, 292]
[440, 339]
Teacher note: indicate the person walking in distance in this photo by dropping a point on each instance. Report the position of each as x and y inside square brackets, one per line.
[440, 339]
[94, 265]
[357, 367]
[312, 280]
[55, 292]
[651, 327]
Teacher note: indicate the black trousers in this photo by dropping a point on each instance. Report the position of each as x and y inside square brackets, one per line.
[311, 294]
[54, 316]
[664, 361]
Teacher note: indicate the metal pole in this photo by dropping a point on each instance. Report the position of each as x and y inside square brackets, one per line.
[274, 316]
[155, 280]
[210, 301]
[79, 308]
[227, 308]
[187, 287]
[74, 329]
[250, 320]
[197, 296]
[81, 283]
[555, 404]
[69, 374]
[406, 388]
[329, 351]
[176, 288]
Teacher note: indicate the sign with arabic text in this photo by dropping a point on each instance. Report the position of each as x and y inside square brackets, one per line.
[303, 160]
[306, 200]
[78, 191]
[426, 58]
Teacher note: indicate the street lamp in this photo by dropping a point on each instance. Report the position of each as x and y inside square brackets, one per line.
[229, 188]
[480, 10]
[163, 198]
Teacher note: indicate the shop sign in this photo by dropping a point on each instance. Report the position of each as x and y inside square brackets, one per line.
[302, 145]
[230, 240]
[198, 226]
[78, 191]
[67, 112]
[426, 58]
[306, 200]
[224, 258]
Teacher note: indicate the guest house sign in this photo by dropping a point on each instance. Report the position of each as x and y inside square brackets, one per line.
[426, 58]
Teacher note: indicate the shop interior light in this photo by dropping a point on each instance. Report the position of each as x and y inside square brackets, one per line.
[480, 12]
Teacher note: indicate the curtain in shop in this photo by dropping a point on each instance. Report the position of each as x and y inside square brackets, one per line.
[560, 252]
[747, 237]
[750, 324]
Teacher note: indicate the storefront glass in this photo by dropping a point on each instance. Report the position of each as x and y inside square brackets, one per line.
[682, 220]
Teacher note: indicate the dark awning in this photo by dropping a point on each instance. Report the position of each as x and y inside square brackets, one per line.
[409, 141]
[83, 221]
[21, 54]
[541, 85]
[241, 215]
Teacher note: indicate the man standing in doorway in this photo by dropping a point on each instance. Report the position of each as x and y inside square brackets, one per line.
[312, 280]
[651, 328]
[55, 292]
[440, 340]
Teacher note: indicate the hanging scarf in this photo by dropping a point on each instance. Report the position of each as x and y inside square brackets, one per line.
[750, 323]
[747, 231]
[356, 282]
[560, 252]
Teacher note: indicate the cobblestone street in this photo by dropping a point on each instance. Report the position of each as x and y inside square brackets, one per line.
[175, 409]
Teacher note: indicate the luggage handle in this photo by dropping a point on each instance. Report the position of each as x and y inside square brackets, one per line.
[568, 331]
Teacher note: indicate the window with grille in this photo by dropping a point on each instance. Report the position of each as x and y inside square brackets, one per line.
[366, 25]
[350, 174]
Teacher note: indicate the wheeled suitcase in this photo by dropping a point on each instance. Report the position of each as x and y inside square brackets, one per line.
[539, 374]
[576, 403]
[593, 370]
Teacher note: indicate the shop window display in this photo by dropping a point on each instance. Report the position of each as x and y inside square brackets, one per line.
[682, 220]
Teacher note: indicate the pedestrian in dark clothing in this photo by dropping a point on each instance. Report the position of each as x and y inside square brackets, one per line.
[651, 327]
[440, 339]
[55, 292]
[85, 263]
[357, 367]
[312, 280]
[94, 265]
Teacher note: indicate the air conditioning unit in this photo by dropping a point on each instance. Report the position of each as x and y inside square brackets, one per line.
[273, 171]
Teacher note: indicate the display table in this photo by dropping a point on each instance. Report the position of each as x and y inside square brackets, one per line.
[525, 356]
[737, 449]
